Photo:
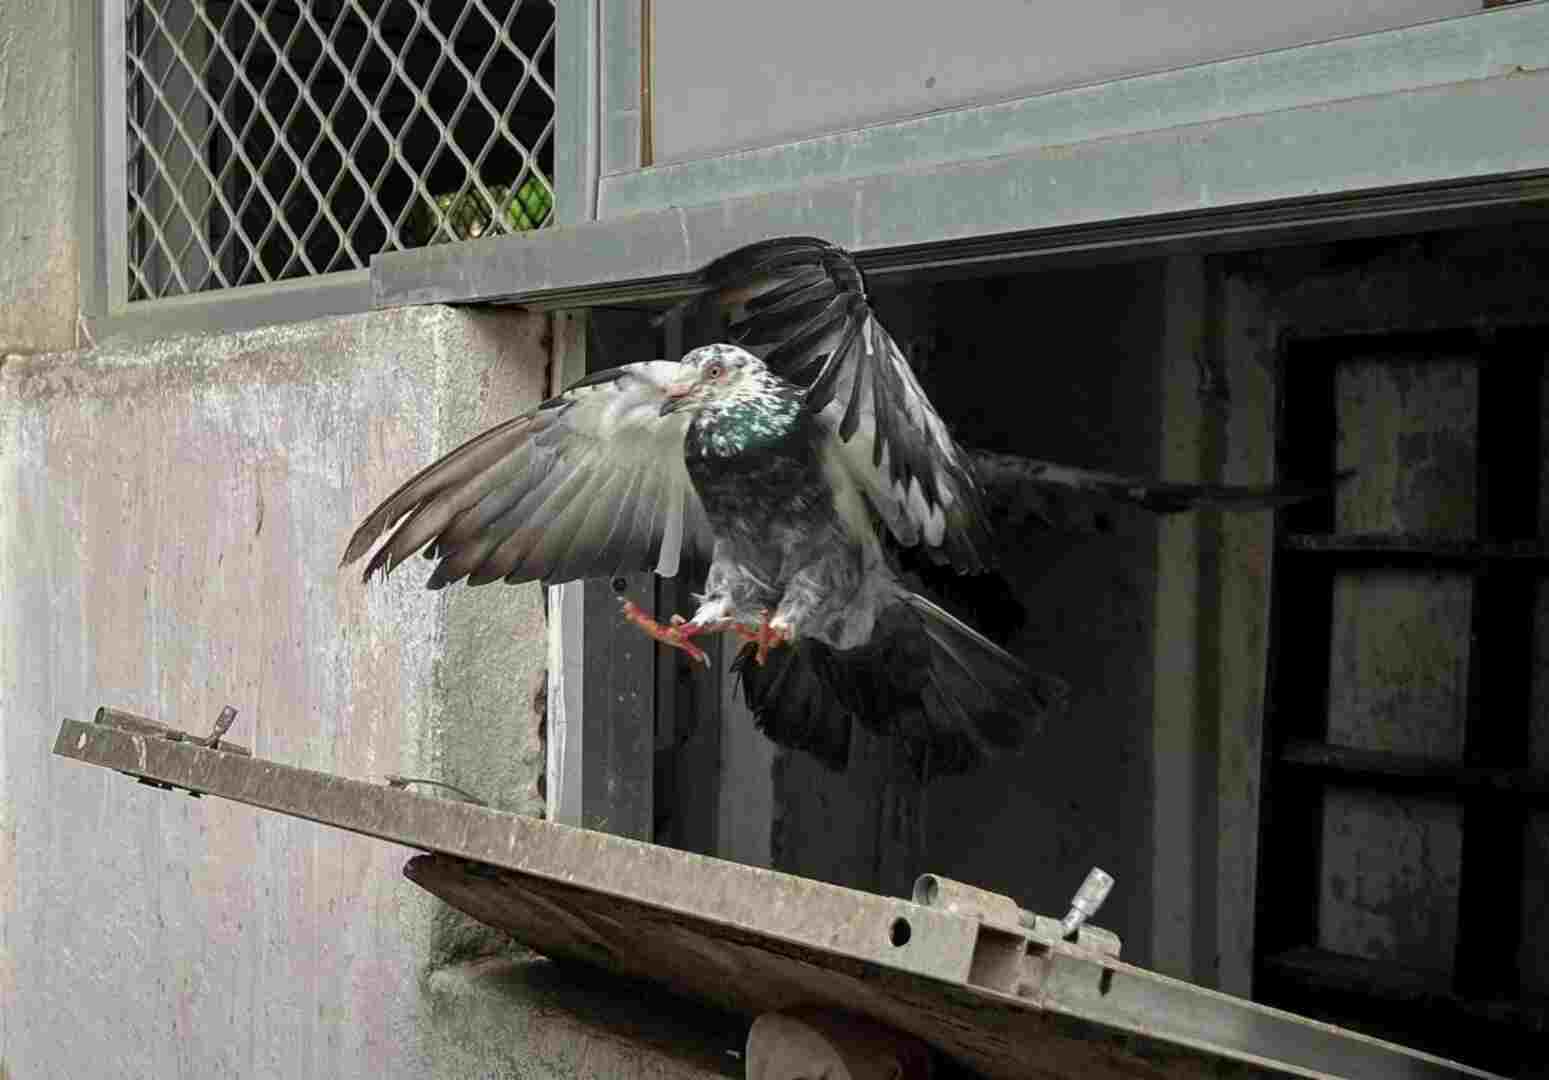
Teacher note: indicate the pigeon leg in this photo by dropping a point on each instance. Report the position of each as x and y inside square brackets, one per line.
[678, 633]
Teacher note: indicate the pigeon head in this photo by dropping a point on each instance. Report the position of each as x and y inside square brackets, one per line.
[717, 373]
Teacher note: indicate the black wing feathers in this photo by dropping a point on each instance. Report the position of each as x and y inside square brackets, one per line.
[800, 303]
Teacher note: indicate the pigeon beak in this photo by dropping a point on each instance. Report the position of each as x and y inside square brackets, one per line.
[677, 397]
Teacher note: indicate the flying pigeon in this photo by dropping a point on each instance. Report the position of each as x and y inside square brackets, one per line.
[799, 459]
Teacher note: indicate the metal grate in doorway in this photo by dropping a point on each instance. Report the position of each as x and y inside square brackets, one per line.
[273, 139]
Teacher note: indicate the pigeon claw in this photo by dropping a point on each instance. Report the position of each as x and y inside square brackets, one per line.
[764, 636]
[678, 633]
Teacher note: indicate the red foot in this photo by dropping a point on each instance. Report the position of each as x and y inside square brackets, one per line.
[677, 634]
[764, 636]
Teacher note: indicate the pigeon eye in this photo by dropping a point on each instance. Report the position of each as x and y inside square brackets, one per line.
[715, 370]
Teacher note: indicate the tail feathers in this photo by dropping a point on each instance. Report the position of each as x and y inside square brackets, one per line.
[793, 700]
[955, 698]
[978, 693]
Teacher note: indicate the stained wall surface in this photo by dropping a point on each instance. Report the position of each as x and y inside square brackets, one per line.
[38, 147]
[173, 519]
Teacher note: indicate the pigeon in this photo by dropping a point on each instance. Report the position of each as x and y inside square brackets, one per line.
[802, 463]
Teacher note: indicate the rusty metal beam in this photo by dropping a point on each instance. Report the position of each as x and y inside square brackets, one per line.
[1004, 998]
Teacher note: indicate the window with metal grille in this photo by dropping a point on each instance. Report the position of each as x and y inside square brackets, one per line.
[277, 139]
[1406, 812]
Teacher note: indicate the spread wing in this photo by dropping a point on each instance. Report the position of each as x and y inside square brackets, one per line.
[800, 304]
[589, 484]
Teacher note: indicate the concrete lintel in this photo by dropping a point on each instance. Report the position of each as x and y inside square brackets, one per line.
[1411, 153]
[246, 307]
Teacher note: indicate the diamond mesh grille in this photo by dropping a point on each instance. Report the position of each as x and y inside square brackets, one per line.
[280, 139]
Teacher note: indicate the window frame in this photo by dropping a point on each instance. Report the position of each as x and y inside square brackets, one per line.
[1250, 151]
[106, 314]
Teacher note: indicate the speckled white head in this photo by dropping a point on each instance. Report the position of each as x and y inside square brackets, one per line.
[732, 357]
[719, 373]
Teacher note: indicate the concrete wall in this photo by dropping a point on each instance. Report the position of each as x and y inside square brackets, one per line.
[39, 243]
[173, 520]
[170, 544]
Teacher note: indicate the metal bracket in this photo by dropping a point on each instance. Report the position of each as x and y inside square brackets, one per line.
[142, 725]
[1002, 912]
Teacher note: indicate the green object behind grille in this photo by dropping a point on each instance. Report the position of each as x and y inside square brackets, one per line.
[465, 215]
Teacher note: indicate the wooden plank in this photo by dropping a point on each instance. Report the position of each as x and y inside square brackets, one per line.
[1401, 643]
[1407, 425]
[1039, 1033]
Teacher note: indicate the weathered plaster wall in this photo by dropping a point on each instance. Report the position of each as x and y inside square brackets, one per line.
[38, 144]
[172, 523]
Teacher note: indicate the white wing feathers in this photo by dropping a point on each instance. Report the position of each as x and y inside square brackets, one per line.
[589, 484]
